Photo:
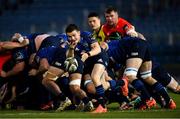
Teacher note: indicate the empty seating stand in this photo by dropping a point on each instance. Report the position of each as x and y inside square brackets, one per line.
[158, 25]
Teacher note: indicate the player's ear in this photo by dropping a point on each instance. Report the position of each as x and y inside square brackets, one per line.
[78, 32]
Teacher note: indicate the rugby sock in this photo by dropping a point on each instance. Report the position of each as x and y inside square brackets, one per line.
[61, 96]
[162, 91]
[112, 84]
[122, 98]
[85, 100]
[158, 99]
[120, 82]
[140, 87]
[100, 95]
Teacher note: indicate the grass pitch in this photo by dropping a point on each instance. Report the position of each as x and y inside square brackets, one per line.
[113, 112]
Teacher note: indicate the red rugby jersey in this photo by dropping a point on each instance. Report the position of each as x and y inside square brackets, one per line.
[122, 27]
[4, 58]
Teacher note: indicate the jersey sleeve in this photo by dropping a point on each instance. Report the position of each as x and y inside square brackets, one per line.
[126, 26]
[20, 55]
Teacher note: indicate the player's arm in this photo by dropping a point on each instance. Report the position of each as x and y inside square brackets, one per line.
[128, 28]
[15, 70]
[130, 31]
[43, 67]
[23, 41]
[70, 51]
[17, 41]
[7, 45]
[141, 36]
[95, 49]
[104, 46]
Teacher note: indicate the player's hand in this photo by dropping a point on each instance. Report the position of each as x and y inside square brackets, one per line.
[16, 36]
[104, 45]
[33, 72]
[3, 74]
[72, 44]
[132, 33]
[1, 46]
[31, 59]
[84, 56]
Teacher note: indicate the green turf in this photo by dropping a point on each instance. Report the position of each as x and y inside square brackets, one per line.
[113, 112]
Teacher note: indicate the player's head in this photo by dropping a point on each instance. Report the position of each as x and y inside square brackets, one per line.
[73, 33]
[94, 21]
[62, 37]
[111, 16]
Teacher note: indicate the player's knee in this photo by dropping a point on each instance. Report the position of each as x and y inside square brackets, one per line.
[147, 77]
[87, 83]
[173, 85]
[49, 76]
[74, 89]
[91, 89]
[131, 73]
[146, 74]
[177, 89]
[75, 85]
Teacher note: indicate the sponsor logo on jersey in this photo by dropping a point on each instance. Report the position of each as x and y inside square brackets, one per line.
[134, 53]
[58, 64]
[76, 49]
[19, 56]
[100, 60]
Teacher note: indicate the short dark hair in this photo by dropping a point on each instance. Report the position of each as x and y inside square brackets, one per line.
[72, 27]
[93, 14]
[109, 9]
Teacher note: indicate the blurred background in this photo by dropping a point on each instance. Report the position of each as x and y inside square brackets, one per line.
[158, 20]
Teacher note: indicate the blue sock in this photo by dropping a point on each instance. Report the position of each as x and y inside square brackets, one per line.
[162, 91]
[112, 84]
[100, 95]
[140, 87]
[85, 100]
[120, 83]
[62, 97]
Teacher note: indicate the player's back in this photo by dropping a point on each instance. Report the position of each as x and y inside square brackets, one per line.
[118, 49]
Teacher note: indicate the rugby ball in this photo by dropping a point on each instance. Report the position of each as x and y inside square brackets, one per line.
[71, 64]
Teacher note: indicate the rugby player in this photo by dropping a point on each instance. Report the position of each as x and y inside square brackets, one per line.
[95, 59]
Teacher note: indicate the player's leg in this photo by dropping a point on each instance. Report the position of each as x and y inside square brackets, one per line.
[162, 76]
[145, 72]
[48, 81]
[97, 73]
[173, 85]
[75, 85]
[132, 67]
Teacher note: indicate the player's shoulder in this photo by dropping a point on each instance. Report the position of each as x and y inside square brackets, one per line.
[62, 36]
[32, 35]
[120, 19]
[104, 26]
[86, 34]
